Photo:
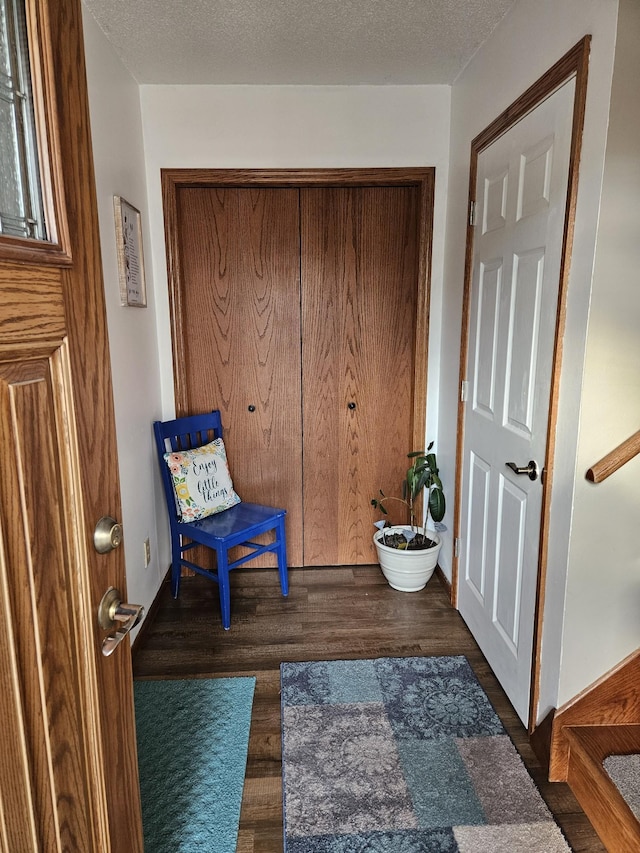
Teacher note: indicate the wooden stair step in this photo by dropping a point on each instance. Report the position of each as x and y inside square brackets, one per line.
[594, 789]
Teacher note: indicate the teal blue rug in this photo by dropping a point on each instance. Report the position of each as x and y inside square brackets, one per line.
[403, 755]
[193, 737]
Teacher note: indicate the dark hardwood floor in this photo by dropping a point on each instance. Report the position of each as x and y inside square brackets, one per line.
[330, 614]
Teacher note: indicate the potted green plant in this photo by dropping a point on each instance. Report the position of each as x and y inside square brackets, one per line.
[408, 555]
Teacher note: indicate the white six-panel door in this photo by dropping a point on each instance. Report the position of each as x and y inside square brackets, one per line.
[519, 222]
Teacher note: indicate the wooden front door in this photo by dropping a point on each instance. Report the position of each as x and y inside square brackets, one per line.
[68, 765]
[297, 311]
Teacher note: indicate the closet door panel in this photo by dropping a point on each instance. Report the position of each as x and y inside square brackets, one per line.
[358, 296]
[240, 308]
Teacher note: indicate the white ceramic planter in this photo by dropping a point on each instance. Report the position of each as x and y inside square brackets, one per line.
[407, 571]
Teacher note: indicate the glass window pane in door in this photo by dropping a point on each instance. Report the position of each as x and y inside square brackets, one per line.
[21, 206]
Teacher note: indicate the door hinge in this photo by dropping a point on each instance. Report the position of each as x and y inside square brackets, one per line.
[464, 390]
[456, 547]
[472, 213]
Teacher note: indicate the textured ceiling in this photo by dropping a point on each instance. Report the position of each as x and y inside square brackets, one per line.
[297, 42]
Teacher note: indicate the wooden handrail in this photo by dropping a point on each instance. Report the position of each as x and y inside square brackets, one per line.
[614, 460]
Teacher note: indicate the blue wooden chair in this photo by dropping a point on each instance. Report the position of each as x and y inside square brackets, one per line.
[232, 527]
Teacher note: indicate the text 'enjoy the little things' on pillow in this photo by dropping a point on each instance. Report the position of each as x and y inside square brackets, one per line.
[201, 480]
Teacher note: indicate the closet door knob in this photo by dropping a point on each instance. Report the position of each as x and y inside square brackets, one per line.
[351, 406]
[251, 408]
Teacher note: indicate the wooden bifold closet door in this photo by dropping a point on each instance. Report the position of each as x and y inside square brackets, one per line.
[297, 319]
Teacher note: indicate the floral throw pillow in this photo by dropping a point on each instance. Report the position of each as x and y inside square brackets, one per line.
[201, 480]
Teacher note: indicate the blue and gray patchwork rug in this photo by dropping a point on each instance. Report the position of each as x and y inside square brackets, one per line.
[403, 755]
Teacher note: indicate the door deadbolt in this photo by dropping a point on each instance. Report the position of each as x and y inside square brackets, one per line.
[107, 535]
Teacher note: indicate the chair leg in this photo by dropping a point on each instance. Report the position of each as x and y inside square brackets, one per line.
[222, 560]
[282, 557]
[176, 565]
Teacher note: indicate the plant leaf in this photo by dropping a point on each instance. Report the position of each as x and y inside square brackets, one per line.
[423, 467]
[421, 483]
[437, 504]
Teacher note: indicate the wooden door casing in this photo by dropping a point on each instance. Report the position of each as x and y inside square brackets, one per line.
[358, 275]
[68, 763]
[420, 182]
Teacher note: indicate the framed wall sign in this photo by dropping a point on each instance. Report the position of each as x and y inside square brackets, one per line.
[133, 291]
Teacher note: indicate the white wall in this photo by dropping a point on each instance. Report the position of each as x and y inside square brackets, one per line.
[120, 170]
[293, 126]
[603, 586]
[531, 38]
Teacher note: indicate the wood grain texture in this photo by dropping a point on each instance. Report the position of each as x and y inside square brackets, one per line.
[601, 800]
[31, 304]
[19, 829]
[337, 613]
[573, 64]
[392, 176]
[613, 699]
[240, 330]
[359, 293]
[110, 717]
[618, 457]
[40, 610]
[193, 222]
[426, 194]
[423, 178]
[72, 717]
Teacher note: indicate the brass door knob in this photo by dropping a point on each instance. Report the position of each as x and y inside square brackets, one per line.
[111, 613]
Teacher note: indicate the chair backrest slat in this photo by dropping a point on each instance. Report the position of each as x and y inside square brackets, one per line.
[183, 434]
